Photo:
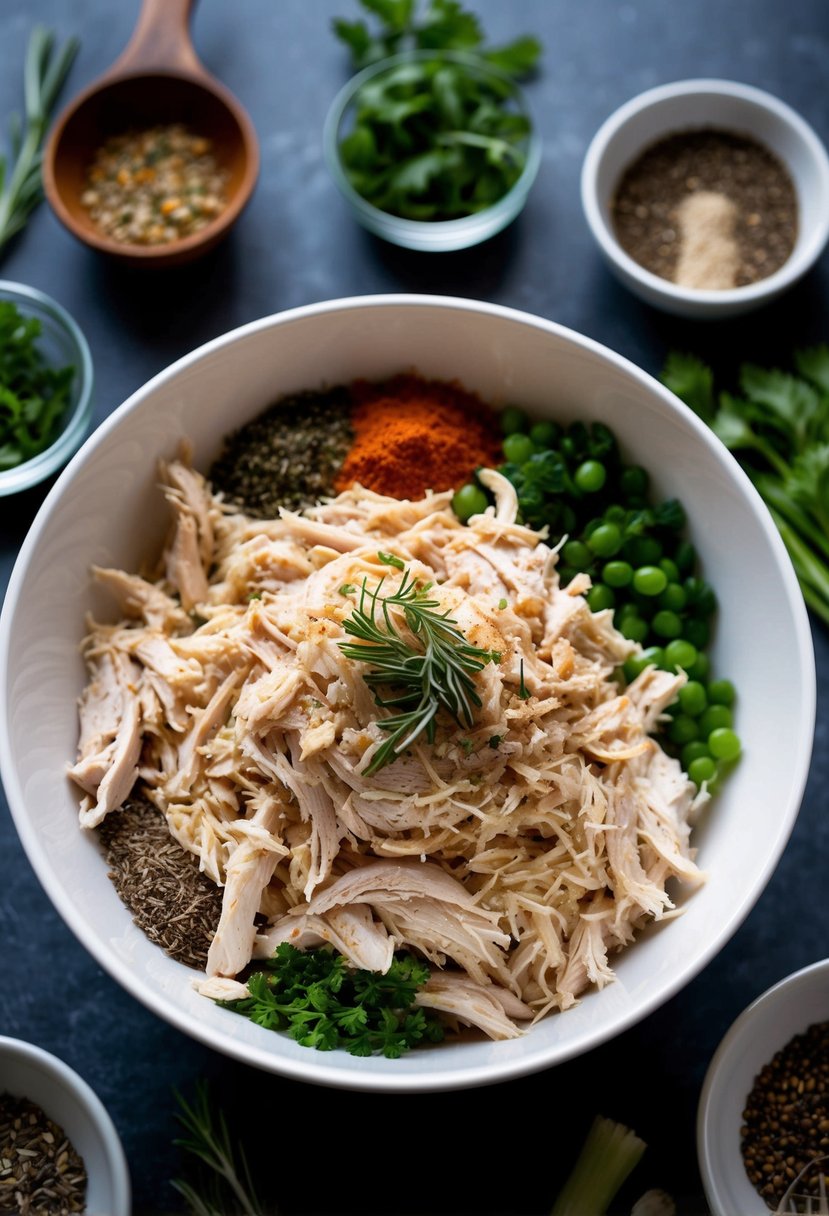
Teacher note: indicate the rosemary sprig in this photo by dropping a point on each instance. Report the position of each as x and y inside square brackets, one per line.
[209, 1140]
[21, 188]
[431, 669]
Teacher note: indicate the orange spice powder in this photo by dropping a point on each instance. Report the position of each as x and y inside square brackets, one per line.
[412, 435]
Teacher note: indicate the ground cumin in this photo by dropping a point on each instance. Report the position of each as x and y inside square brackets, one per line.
[412, 435]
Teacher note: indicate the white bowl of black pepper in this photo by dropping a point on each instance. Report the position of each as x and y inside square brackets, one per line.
[708, 198]
[763, 1122]
[59, 1150]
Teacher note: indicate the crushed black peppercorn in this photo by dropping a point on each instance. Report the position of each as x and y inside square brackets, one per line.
[785, 1132]
[646, 208]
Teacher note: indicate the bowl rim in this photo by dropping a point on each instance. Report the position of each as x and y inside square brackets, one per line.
[64, 1077]
[766, 1001]
[30, 472]
[375, 217]
[434, 1079]
[796, 264]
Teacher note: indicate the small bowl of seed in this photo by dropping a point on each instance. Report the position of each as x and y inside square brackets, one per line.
[763, 1120]
[59, 1150]
[707, 198]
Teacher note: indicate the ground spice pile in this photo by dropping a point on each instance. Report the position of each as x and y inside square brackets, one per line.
[289, 456]
[414, 435]
[176, 905]
[786, 1119]
[40, 1171]
[744, 229]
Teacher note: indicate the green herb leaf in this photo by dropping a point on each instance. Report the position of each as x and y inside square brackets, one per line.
[430, 666]
[34, 397]
[692, 382]
[321, 1003]
[347, 589]
[389, 559]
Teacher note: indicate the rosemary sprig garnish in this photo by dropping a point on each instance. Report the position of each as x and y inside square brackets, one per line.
[20, 183]
[209, 1139]
[429, 670]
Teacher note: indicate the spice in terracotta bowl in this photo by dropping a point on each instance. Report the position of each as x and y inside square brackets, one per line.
[40, 1171]
[707, 209]
[155, 186]
[785, 1132]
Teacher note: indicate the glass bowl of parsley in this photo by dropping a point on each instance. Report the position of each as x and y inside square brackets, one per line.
[45, 387]
[433, 150]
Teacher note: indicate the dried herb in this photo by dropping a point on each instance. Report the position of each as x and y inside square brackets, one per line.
[40, 1171]
[176, 905]
[289, 456]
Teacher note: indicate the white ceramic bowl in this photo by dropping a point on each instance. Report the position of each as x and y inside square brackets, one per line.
[30, 1072]
[691, 105]
[106, 509]
[760, 1031]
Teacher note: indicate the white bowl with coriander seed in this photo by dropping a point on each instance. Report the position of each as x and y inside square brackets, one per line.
[735, 1094]
[732, 232]
[67, 1133]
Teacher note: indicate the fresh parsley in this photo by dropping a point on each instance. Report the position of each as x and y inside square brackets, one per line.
[34, 397]
[21, 188]
[320, 1002]
[778, 426]
[430, 669]
[439, 136]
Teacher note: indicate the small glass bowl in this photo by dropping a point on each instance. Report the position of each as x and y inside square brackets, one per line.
[62, 344]
[429, 235]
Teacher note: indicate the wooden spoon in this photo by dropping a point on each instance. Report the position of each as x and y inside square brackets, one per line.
[158, 79]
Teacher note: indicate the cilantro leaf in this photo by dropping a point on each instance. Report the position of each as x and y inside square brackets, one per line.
[34, 397]
[692, 382]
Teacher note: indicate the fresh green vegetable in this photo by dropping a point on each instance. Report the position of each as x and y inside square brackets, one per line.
[432, 669]
[322, 1003]
[34, 397]
[228, 1186]
[610, 1153]
[21, 188]
[469, 500]
[439, 136]
[779, 429]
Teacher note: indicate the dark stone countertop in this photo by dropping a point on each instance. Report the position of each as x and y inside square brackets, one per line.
[504, 1149]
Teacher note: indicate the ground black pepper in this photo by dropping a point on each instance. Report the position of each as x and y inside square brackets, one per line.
[40, 1171]
[647, 200]
[288, 456]
[786, 1118]
[170, 899]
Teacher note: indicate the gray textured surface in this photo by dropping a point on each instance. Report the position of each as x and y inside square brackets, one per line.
[506, 1147]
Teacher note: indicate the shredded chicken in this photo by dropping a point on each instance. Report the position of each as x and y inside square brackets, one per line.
[516, 856]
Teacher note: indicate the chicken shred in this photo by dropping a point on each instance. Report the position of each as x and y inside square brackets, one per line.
[517, 856]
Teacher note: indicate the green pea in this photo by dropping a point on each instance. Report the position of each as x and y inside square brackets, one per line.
[693, 751]
[617, 574]
[716, 717]
[615, 515]
[605, 540]
[649, 580]
[577, 554]
[633, 628]
[724, 743]
[632, 667]
[513, 420]
[566, 574]
[544, 434]
[697, 632]
[673, 597]
[683, 729]
[518, 448]
[701, 596]
[600, 597]
[634, 482]
[698, 669]
[644, 550]
[721, 692]
[670, 568]
[702, 769]
[680, 653]
[666, 624]
[655, 656]
[692, 697]
[469, 500]
[590, 476]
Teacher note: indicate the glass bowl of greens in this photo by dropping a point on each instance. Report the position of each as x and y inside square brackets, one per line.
[433, 150]
[45, 387]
